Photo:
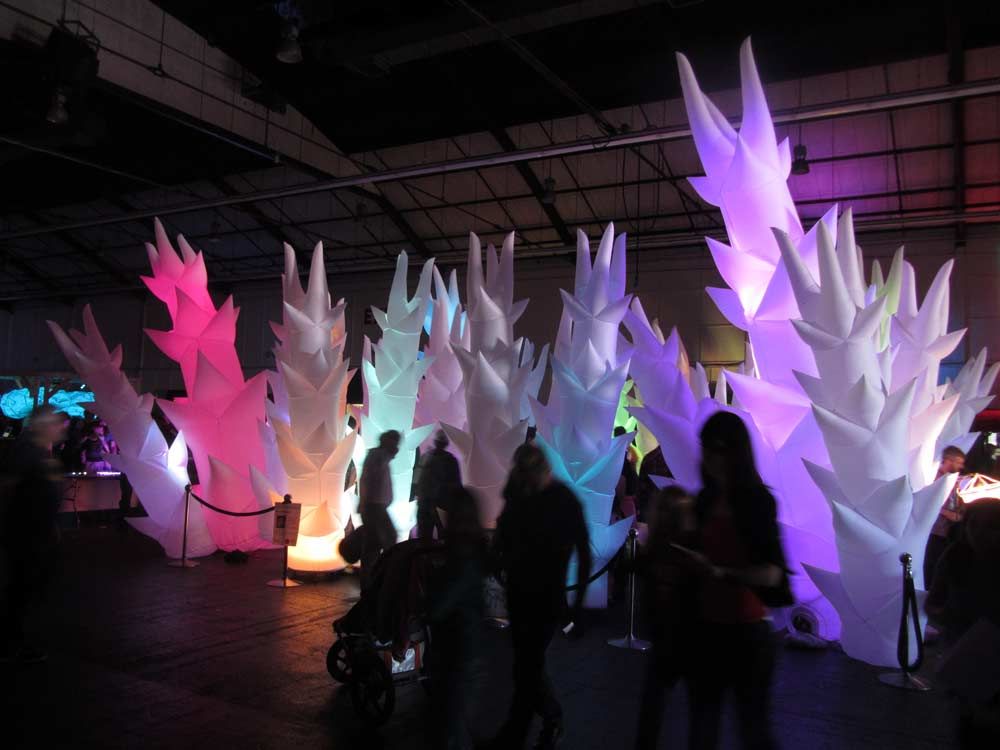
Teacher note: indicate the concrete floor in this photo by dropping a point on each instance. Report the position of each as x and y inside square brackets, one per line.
[148, 656]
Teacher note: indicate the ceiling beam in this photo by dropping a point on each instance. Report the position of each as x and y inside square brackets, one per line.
[9, 256]
[834, 110]
[531, 179]
[389, 209]
[91, 254]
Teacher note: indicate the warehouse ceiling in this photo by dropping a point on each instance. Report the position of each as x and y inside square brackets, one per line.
[189, 114]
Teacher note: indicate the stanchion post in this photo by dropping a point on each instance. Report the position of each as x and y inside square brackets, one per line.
[630, 641]
[184, 562]
[284, 582]
[906, 679]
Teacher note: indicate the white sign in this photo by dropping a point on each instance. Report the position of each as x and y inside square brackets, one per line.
[286, 523]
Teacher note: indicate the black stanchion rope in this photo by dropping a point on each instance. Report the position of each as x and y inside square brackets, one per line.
[208, 505]
[599, 573]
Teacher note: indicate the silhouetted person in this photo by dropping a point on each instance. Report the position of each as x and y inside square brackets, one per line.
[376, 495]
[29, 502]
[97, 445]
[743, 570]
[541, 526]
[967, 581]
[456, 614]
[438, 479]
[669, 593]
[952, 462]
[966, 591]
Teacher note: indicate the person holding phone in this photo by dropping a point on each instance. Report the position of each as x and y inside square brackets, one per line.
[742, 568]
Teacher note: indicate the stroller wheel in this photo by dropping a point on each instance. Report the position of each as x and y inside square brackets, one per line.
[372, 691]
[337, 662]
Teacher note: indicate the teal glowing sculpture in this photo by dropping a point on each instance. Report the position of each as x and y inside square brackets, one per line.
[392, 370]
[589, 369]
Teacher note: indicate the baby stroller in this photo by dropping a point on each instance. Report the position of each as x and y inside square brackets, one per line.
[383, 640]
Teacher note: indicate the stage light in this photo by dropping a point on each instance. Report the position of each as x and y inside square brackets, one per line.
[800, 164]
[289, 51]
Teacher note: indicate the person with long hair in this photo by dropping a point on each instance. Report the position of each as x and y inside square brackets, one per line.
[743, 571]
[541, 526]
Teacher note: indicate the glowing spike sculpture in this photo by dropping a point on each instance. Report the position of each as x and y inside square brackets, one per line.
[158, 474]
[222, 413]
[499, 375]
[441, 395]
[392, 370]
[313, 442]
[589, 369]
[841, 382]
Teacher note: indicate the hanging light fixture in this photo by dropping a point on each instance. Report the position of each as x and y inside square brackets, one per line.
[800, 164]
[57, 113]
[289, 51]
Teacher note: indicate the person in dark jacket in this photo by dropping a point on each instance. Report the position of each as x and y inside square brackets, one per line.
[743, 571]
[373, 505]
[455, 611]
[541, 526]
[439, 477]
[964, 596]
[29, 502]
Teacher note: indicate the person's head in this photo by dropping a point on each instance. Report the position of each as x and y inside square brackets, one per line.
[440, 440]
[46, 426]
[952, 460]
[389, 442]
[529, 436]
[619, 431]
[100, 429]
[670, 514]
[727, 453]
[530, 470]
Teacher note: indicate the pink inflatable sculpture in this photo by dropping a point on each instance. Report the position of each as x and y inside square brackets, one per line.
[221, 415]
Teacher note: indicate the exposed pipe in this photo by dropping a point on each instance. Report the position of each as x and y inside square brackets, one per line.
[657, 241]
[594, 145]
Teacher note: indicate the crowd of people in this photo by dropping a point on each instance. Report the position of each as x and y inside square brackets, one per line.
[714, 565]
[711, 569]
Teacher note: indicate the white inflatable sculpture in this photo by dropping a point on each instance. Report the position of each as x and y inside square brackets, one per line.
[441, 396]
[222, 413]
[158, 474]
[499, 377]
[310, 419]
[871, 410]
[392, 370]
[589, 369]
